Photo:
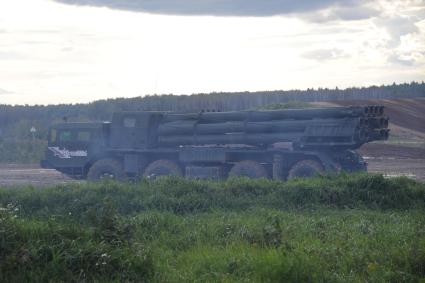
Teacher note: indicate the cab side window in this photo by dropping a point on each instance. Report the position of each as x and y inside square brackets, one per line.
[65, 136]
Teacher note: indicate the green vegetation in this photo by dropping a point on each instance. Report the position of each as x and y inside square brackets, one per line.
[288, 105]
[19, 145]
[345, 228]
[22, 151]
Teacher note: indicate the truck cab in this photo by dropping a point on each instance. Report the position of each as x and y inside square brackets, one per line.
[72, 145]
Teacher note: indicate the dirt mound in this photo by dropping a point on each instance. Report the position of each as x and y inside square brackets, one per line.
[396, 151]
[21, 174]
[404, 152]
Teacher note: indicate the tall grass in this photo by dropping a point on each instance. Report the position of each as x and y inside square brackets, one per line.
[347, 228]
[182, 196]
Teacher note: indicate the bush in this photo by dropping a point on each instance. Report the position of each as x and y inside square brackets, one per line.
[22, 151]
[46, 251]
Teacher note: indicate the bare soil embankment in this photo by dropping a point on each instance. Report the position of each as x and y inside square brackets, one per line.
[404, 152]
[32, 175]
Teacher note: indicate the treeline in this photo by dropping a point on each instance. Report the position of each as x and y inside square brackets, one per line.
[16, 121]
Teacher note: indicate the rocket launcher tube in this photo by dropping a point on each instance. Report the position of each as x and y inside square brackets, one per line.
[348, 127]
[236, 138]
[290, 114]
[192, 127]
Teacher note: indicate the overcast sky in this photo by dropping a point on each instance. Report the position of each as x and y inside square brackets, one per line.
[70, 51]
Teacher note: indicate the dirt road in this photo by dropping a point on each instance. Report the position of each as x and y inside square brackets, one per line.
[19, 175]
[395, 160]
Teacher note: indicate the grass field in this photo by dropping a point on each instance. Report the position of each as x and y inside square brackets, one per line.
[347, 228]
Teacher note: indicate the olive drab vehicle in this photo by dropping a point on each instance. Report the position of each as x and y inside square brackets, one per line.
[279, 144]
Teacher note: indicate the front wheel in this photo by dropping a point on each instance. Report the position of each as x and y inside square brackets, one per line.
[106, 169]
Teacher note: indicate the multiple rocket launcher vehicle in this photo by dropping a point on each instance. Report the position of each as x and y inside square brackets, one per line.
[280, 144]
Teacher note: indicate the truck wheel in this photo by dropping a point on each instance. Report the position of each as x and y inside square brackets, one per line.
[248, 168]
[162, 167]
[106, 169]
[305, 169]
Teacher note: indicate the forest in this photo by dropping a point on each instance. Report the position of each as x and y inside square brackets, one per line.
[19, 145]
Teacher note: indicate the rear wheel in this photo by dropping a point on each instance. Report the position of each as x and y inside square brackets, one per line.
[305, 169]
[106, 169]
[162, 167]
[248, 168]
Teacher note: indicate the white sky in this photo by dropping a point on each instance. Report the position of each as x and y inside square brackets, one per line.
[54, 53]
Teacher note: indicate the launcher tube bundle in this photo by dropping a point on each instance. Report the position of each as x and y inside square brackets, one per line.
[342, 127]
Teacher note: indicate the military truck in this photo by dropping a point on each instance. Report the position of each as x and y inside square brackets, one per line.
[279, 144]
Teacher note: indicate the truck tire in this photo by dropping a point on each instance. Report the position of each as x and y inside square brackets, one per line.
[305, 169]
[248, 168]
[107, 168]
[162, 167]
